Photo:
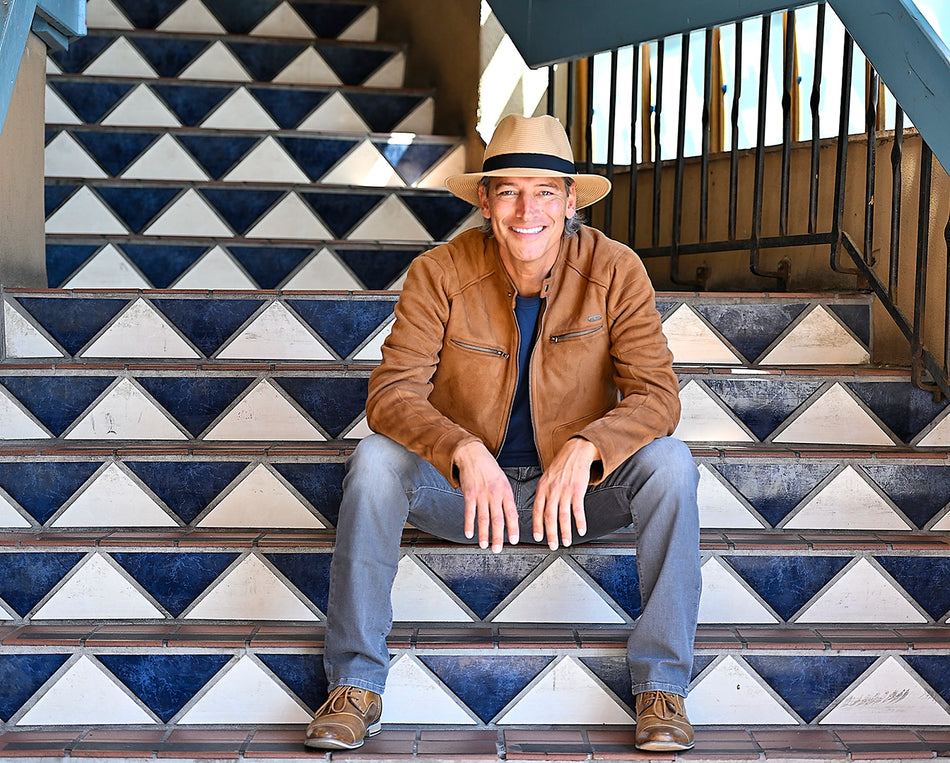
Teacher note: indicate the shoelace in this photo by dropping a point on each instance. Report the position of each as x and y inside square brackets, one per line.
[667, 710]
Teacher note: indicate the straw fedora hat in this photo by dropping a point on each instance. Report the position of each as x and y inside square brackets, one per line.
[529, 147]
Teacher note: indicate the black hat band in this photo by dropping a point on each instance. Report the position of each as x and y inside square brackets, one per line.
[525, 161]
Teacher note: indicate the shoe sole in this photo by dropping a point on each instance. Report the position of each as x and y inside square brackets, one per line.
[665, 747]
[336, 744]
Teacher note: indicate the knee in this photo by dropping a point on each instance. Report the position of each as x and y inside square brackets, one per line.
[670, 459]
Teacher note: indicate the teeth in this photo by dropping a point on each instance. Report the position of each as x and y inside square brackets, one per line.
[529, 230]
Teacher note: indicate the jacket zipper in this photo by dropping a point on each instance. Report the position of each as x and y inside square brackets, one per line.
[557, 339]
[489, 350]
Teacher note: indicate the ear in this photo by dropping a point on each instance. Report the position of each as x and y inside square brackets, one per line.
[571, 206]
[483, 201]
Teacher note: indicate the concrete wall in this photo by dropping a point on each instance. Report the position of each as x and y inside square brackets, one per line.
[22, 246]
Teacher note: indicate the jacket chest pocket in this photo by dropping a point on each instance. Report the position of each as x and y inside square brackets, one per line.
[579, 334]
[471, 347]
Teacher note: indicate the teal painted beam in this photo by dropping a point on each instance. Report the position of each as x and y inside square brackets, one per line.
[58, 22]
[16, 16]
[910, 57]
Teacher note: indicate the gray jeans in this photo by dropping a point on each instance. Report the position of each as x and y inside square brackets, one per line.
[654, 491]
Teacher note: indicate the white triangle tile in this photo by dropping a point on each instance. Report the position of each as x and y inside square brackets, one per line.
[23, 340]
[718, 507]
[215, 270]
[939, 436]
[365, 166]
[260, 500]
[102, 14]
[120, 59]
[290, 218]
[373, 349]
[835, 418]
[85, 213]
[165, 160]
[97, 591]
[216, 63]
[413, 696]
[452, 163]
[309, 68]
[64, 157]
[818, 339]
[113, 499]
[283, 21]
[275, 334]
[56, 110]
[725, 599]
[730, 694]
[267, 163]
[141, 108]
[16, 423]
[51, 67]
[245, 694]
[419, 120]
[390, 221]
[358, 431]
[566, 694]
[139, 332]
[263, 414]
[324, 271]
[251, 591]
[189, 215]
[107, 269]
[558, 595]
[890, 695]
[194, 17]
[125, 413]
[848, 502]
[240, 112]
[704, 420]
[9, 516]
[85, 695]
[391, 74]
[364, 27]
[334, 115]
[943, 525]
[861, 594]
[692, 341]
[416, 597]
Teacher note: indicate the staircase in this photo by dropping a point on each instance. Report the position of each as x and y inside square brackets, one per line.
[233, 193]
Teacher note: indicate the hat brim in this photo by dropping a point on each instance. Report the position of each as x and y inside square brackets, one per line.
[590, 188]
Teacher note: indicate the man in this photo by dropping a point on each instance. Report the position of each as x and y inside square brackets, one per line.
[526, 391]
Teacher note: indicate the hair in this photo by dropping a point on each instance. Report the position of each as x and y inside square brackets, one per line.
[571, 224]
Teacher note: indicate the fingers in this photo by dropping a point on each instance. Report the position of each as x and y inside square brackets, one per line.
[489, 502]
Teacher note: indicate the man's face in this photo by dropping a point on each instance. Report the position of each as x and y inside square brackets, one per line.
[527, 217]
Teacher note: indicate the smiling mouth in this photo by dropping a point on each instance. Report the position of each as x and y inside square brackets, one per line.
[537, 229]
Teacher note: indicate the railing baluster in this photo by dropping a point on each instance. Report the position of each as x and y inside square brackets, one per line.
[551, 103]
[657, 163]
[704, 168]
[680, 164]
[634, 110]
[841, 164]
[788, 67]
[611, 133]
[734, 148]
[816, 121]
[871, 163]
[589, 127]
[923, 246]
[897, 156]
[569, 108]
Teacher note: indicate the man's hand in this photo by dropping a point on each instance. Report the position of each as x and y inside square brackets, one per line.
[489, 502]
[561, 491]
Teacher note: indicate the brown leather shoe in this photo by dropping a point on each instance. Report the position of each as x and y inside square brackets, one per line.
[345, 719]
[662, 724]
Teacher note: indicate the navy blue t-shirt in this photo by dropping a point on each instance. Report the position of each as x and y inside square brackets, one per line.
[519, 448]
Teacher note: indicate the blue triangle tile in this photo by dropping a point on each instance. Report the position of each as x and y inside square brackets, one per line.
[334, 403]
[269, 266]
[663, 307]
[286, 106]
[809, 684]
[195, 402]
[762, 404]
[328, 20]
[303, 674]
[48, 136]
[412, 160]
[342, 211]
[192, 103]
[480, 580]
[486, 683]
[618, 576]
[750, 328]
[319, 483]
[163, 264]
[186, 487]
[353, 65]
[57, 401]
[62, 260]
[137, 206]
[700, 663]
[786, 583]
[174, 579]
[55, 194]
[934, 669]
[615, 673]
[240, 18]
[774, 489]
[315, 156]
[310, 573]
[164, 682]
[926, 578]
[169, 57]
[73, 322]
[41, 487]
[208, 323]
[28, 577]
[243, 207]
[80, 52]
[383, 112]
[265, 60]
[343, 323]
[147, 15]
[905, 409]
[439, 213]
[91, 100]
[377, 268]
[218, 153]
[21, 675]
[114, 151]
[919, 491]
[857, 318]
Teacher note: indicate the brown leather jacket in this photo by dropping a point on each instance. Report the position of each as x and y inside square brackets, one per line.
[601, 368]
